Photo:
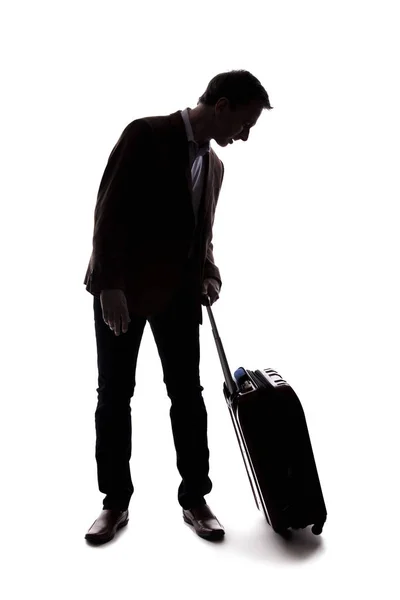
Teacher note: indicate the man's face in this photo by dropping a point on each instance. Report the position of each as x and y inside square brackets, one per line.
[234, 125]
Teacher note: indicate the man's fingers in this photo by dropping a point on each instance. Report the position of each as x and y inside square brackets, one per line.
[110, 319]
[117, 325]
[125, 322]
[115, 310]
[204, 300]
[120, 324]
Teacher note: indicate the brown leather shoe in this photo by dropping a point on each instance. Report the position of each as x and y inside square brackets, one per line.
[204, 522]
[106, 525]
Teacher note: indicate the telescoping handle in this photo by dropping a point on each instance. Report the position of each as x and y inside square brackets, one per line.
[230, 382]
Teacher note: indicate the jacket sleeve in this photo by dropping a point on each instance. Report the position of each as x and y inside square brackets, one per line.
[114, 214]
[211, 270]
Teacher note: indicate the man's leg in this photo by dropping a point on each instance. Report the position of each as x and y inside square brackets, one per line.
[116, 360]
[176, 332]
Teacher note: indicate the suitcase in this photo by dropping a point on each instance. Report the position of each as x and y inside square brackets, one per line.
[273, 437]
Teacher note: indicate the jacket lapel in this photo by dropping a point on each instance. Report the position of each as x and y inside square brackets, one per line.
[170, 134]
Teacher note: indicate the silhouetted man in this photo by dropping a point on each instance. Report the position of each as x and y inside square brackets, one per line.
[153, 260]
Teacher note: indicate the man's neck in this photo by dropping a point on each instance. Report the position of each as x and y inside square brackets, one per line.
[199, 126]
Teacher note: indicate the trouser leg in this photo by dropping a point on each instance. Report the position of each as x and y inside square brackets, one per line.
[116, 360]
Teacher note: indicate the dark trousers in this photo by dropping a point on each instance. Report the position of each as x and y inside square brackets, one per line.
[176, 333]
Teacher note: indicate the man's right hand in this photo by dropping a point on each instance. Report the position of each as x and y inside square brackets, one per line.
[115, 310]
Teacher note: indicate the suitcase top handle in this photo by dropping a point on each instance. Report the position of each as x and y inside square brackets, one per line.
[230, 382]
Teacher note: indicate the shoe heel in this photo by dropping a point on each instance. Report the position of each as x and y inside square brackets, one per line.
[122, 524]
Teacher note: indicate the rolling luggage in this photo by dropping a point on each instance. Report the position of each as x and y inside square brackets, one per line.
[273, 437]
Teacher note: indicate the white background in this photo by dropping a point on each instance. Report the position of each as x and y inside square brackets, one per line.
[306, 238]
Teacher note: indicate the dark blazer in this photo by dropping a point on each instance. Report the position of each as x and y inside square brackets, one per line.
[144, 220]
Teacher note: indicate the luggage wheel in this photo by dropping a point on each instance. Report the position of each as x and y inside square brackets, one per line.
[317, 529]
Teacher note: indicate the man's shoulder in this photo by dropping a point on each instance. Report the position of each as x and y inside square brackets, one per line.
[156, 122]
[164, 128]
[137, 126]
[149, 129]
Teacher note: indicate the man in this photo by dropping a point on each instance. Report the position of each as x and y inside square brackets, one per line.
[153, 260]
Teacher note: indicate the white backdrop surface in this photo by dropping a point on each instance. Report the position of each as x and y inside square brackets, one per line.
[306, 239]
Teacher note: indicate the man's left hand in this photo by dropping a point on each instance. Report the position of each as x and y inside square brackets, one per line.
[211, 288]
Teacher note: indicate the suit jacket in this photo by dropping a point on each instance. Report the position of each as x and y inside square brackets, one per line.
[144, 222]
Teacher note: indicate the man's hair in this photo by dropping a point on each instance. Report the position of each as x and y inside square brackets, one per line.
[241, 88]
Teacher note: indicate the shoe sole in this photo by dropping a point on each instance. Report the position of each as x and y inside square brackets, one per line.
[102, 540]
[212, 535]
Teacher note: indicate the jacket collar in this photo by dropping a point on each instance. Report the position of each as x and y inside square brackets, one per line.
[200, 150]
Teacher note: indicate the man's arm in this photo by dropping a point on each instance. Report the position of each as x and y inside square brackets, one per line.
[114, 215]
[211, 271]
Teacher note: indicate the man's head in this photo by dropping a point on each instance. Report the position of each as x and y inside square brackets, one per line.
[230, 106]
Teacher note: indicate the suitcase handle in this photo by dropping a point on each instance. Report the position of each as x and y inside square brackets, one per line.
[230, 382]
